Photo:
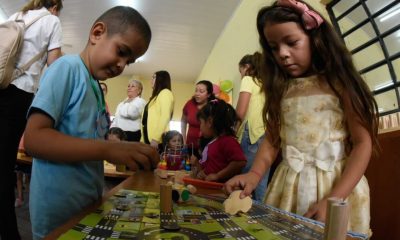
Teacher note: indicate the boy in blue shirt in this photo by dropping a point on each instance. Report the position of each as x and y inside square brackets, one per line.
[67, 122]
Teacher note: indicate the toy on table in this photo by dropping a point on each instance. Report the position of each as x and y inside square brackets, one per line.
[173, 161]
[202, 183]
[180, 192]
[337, 219]
[168, 219]
[176, 158]
[233, 204]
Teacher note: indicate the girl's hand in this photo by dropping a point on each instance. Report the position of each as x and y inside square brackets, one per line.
[193, 160]
[317, 211]
[212, 177]
[201, 175]
[154, 144]
[248, 182]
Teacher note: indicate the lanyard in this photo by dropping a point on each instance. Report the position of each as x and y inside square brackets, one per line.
[100, 99]
[101, 104]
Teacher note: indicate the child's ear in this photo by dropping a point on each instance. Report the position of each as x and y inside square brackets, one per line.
[97, 32]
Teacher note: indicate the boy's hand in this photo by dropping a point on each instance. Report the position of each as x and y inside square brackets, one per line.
[133, 155]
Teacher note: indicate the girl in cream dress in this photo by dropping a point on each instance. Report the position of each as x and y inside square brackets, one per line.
[318, 112]
[313, 142]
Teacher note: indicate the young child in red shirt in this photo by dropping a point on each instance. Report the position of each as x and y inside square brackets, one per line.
[222, 158]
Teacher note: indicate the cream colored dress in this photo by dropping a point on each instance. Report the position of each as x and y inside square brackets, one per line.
[313, 139]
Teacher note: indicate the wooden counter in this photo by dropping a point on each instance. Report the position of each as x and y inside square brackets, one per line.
[109, 169]
[383, 174]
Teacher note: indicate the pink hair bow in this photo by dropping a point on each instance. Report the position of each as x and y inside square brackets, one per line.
[310, 18]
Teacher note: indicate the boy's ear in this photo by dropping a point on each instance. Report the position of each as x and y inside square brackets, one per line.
[98, 30]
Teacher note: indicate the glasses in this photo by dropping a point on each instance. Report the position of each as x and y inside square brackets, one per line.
[102, 124]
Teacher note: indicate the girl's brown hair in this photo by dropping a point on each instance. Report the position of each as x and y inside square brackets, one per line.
[254, 62]
[162, 81]
[330, 58]
[38, 4]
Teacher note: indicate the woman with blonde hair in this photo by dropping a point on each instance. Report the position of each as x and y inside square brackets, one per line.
[42, 41]
[129, 112]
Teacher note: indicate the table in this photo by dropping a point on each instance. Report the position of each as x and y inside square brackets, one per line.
[148, 182]
[141, 180]
[23, 158]
[109, 169]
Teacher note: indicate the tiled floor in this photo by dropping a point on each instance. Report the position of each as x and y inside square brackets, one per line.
[23, 220]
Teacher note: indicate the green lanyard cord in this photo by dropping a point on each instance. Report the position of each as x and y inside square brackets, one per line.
[101, 103]
[100, 99]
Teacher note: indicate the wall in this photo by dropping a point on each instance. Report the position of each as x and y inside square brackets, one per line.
[239, 37]
[117, 88]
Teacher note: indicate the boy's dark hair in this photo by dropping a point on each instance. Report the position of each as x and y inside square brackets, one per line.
[209, 88]
[120, 18]
[330, 58]
[167, 136]
[254, 61]
[223, 116]
[162, 81]
[118, 132]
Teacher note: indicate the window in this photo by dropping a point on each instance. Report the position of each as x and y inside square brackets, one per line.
[371, 31]
[175, 125]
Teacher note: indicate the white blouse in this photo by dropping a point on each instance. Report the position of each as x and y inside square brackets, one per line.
[128, 114]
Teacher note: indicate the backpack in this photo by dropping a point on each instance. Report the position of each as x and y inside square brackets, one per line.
[12, 34]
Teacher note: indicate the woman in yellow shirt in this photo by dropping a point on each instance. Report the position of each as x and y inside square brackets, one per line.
[249, 111]
[158, 111]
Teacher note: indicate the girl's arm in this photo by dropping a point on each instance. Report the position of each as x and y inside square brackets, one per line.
[183, 127]
[232, 169]
[43, 141]
[266, 155]
[356, 164]
[241, 107]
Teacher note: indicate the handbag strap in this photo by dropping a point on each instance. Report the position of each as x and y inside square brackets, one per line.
[27, 65]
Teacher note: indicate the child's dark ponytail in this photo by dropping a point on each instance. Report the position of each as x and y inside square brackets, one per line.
[223, 116]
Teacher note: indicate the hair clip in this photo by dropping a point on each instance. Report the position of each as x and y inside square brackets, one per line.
[310, 18]
[214, 101]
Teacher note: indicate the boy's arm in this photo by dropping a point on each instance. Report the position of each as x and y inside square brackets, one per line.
[233, 168]
[43, 141]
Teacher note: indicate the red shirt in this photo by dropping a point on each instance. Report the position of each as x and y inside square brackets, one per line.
[221, 152]
[193, 135]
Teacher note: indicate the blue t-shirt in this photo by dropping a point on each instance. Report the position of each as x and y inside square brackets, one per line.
[60, 190]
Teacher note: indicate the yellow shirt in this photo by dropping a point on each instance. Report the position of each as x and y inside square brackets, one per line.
[159, 114]
[254, 111]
